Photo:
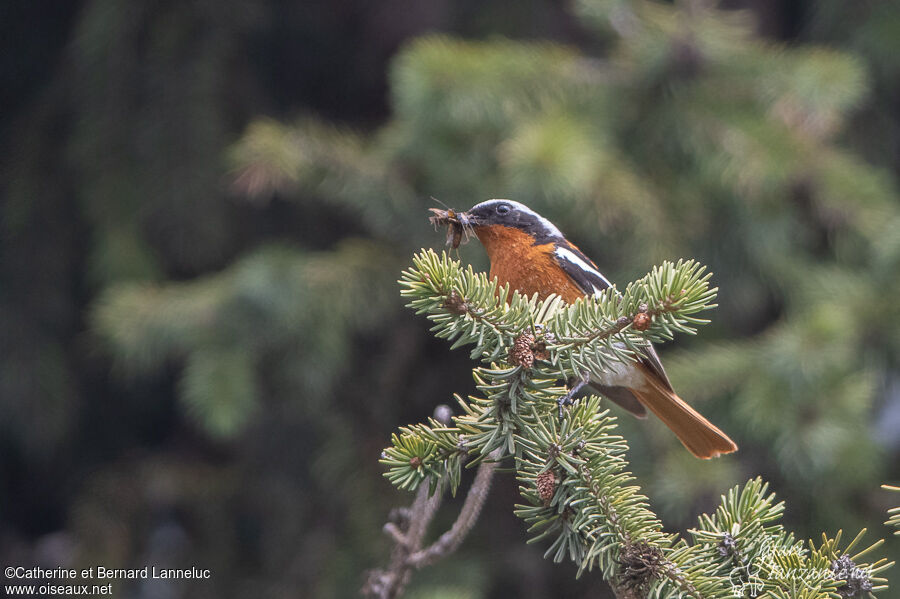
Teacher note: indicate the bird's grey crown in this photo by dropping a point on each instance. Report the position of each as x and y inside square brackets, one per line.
[519, 216]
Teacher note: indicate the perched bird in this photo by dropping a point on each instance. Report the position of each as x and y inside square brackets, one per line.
[532, 255]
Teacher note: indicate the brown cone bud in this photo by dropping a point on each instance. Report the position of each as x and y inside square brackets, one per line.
[546, 486]
[642, 321]
[521, 352]
[455, 303]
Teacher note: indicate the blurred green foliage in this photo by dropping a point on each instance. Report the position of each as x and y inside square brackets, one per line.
[236, 272]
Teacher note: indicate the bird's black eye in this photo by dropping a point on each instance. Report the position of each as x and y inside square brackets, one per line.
[503, 209]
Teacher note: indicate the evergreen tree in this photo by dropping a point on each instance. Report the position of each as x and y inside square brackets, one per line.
[684, 135]
[251, 392]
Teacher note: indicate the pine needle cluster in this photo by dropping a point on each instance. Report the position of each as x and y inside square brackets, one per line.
[578, 496]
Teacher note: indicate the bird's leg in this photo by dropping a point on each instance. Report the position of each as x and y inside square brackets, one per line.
[569, 398]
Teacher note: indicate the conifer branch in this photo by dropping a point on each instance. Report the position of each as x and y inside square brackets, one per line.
[408, 538]
[571, 468]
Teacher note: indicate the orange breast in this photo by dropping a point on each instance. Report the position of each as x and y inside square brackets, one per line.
[528, 268]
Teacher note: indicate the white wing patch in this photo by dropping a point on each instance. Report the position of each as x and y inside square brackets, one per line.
[589, 271]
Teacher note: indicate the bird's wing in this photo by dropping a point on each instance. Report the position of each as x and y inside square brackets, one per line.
[581, 269]
[591, 281]
[622, 396]
[651, 361]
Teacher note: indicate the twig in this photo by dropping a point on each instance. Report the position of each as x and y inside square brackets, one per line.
[450, 540]
[408, 554]
[390, 582]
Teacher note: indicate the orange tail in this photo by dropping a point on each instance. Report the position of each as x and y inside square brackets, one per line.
[699, 435]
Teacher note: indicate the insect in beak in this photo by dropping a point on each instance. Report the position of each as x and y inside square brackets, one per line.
[457, 223]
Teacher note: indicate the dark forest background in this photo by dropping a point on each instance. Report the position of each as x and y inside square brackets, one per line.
[206, 205]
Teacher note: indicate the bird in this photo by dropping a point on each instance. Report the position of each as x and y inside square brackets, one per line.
[532, 255]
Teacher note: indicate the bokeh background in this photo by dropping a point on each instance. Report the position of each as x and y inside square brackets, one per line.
[206, 206]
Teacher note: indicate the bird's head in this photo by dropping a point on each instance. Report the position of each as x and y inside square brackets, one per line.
[499, 217]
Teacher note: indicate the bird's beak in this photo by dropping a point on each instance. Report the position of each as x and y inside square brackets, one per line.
[457, 224]
[446, 217]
